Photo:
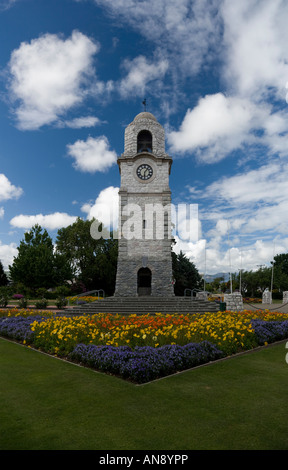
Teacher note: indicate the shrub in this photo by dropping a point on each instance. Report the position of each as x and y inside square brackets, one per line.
[41, 303]
[62, 291]
[41, 293]
[4, 296]
[61, 302]
[23, 302]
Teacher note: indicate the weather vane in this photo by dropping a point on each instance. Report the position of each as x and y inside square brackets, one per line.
[144, 104]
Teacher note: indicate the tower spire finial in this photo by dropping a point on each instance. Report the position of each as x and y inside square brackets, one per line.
[144, 104]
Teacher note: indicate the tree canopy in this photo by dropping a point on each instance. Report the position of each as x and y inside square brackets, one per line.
[3, 277]
[185, 274]
[93, 261]
[36, 264]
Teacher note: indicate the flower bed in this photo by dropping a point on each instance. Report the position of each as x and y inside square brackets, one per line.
[76, 300]
[25, 312]
[142, 347]
[270, 331]
[250, 300]
[145, 363]
[18, 327]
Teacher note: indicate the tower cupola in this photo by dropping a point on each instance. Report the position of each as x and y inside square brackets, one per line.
[144, 134]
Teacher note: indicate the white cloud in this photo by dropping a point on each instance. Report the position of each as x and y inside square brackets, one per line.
[244, 220]
[185, 32]
[266, 184]
[7, 254]
[139, 73]
[8, 190]
[186, 225]
[92, 155]
[49, 76]
[105, 208]
[51, 221]
[247, 213]
[78, 123]
[2, 212]
[255, 69]
[271, 218]
[222, 226]
[6, 4]
[214, 259]
[221, 124]
[217, 125]
[255, 38]
[249, 37]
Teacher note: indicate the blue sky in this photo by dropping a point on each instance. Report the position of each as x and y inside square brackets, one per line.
[73, 75]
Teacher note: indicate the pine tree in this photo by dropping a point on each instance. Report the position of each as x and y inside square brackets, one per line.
[3, 277]
[185, 273]
[36, 265]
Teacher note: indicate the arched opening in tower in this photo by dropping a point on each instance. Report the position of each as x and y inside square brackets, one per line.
[144, 142]
[144, 280]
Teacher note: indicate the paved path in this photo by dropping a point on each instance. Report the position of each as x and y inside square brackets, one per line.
[272, 307]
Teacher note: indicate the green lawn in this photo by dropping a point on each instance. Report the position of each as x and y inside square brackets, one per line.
[239, 403]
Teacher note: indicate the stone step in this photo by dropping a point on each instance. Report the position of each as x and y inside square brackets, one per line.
[145, 301]
[145, 305]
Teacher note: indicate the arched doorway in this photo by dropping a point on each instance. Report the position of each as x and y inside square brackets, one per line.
[144, 277]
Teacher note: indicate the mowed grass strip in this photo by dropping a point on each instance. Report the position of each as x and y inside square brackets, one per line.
[49, 404]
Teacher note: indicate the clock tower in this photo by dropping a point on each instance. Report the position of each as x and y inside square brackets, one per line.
[144, 239]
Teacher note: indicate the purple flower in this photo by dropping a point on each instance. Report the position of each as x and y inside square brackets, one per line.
[18, 328]
[270, 331]
[144, 363]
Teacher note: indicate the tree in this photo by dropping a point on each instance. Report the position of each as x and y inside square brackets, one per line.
[3, 277]
[36, 265]
[93, 261]
[185, 274]
[280, 275]
[255, 282]
[282, 262]
[216, 284]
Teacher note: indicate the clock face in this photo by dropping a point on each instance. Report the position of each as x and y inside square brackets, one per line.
[144, 171]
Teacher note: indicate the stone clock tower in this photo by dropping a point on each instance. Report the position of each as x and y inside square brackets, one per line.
[144, 253]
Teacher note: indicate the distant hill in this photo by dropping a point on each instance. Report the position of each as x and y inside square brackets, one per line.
[211, 277]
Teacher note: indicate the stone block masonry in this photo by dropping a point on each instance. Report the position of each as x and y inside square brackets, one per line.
[148, 122]
[144, 243]
[161, 278]
[233, 301]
